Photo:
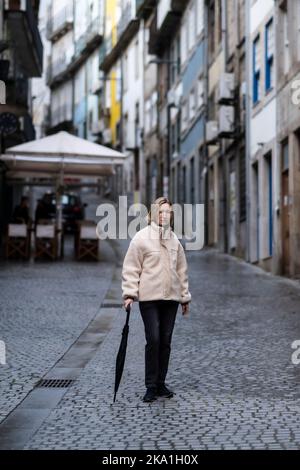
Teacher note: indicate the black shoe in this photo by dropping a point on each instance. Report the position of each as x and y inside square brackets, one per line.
[150, 395]
[163, 391]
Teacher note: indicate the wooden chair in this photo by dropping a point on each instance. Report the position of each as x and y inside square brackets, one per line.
[18, 241]
[46, 240]
[86, 241]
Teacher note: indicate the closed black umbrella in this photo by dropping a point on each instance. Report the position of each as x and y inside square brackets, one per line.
[122, 353]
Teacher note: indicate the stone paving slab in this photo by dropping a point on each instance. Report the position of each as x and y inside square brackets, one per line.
[230, 368]
[44, 307]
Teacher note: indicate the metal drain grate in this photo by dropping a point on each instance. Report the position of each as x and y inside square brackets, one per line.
[54, 383]
[112, 305]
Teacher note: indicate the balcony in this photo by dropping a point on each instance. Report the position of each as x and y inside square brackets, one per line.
[105, 48]
[91, 39]
[127, 28]
[24, 30]
[57, 71]
[61, 114]
[144, 8]
[165, 23]
[60, 24]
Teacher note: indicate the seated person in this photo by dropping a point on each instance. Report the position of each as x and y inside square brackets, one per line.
[21, 212]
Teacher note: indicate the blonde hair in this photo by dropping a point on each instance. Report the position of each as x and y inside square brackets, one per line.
[153, 214]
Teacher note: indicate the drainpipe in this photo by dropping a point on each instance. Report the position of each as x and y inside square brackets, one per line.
[206, 89]
[223, 141]
[248, 121]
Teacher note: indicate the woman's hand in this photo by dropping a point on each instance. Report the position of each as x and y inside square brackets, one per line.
[128, 302]
[185, 309]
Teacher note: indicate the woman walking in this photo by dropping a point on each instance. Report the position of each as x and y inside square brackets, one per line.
[155, 274]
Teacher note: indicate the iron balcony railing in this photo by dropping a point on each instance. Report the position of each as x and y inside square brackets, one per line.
[60, 22]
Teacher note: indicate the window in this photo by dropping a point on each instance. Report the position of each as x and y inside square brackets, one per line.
[137, 64]
[268, 160]
[178, 125]
[256, 70]
[192, 27]
[192, 180]
[118, 83]
[173, 140]
[269, 55]
[178, 56]
[125, 71]
[183, 44]
[242, 184]
[192, 104]
[285, 156]
[298, 30]
[200, 87]
[172, 68]
[286, 54]
[200, 16]
[173, 184]
[154, 110]
[220, 13]
[212, 112]
[175, 60]
[175, 137]
[211, 28]
[178, 183]
[147, 116]
[184, 185]
[184, 115]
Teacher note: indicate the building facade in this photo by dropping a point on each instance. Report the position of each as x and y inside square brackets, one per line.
[122, 63]
[75, 29]
[287, 196]
[21, 59]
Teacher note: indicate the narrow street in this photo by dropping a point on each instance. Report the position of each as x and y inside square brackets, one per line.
[231, 368]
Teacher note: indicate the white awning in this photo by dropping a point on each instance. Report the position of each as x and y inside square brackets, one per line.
[59, 153]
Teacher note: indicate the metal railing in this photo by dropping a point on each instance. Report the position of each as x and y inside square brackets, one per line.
[55, 68]
[60, 21]
[61, 114]
[94, 30]
[125, 19]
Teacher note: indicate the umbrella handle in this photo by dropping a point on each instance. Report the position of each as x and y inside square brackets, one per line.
[128, 309]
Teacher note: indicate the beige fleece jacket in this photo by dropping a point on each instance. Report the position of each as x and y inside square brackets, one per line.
[155, 267]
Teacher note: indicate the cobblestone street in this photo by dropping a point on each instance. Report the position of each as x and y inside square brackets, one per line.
[230, 367]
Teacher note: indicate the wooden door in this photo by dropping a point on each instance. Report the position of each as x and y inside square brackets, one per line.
[285, 223]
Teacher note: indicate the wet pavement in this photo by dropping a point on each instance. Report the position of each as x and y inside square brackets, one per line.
[231, 368]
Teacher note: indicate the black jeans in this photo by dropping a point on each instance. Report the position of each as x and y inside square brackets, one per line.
[159, 320]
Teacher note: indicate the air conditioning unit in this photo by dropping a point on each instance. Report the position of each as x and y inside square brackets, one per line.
[226, 88]
[107, 136]
[226, 121]
[212, 131]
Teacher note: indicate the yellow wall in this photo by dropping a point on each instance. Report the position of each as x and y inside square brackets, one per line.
[115, 109]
